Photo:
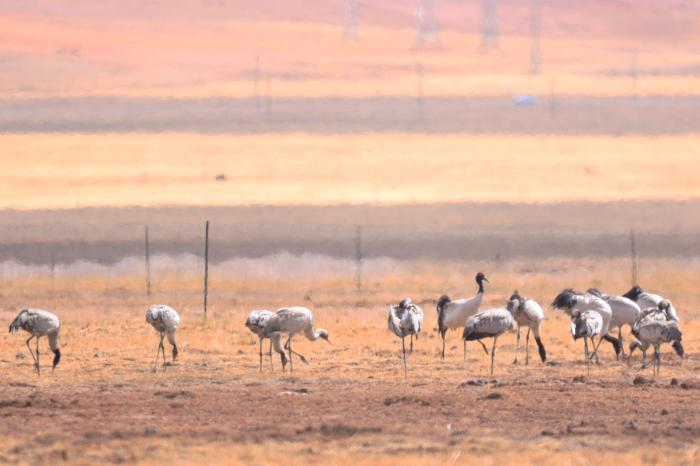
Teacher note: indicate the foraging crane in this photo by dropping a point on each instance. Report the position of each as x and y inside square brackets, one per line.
[587, 325]
[488, 324]
[256, 322]
[292, 320]
[624, 312]
[529, 313]
[660, 313]
[647, 300]
[405, 319]
[570, 300]
[165, 320]
[655, 332]
[454, 314]
[39, 323]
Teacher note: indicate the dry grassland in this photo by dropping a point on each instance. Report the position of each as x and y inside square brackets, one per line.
[66, 171]
[351, 404]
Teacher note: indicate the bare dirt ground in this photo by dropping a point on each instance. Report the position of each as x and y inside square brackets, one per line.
[351, 403]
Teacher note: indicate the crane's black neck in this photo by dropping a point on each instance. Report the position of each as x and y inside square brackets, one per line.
[480, 282]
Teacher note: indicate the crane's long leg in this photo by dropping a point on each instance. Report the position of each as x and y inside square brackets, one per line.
[527, 347]
[465, 350]
[619, 336]
[160, 344]
[272, 368]
[403, 347]
[517, 346]
[30, 351]
[486, 350]
[595, 349]
[38, 365]
[300, 356]
[585, 353]
[493, 353]
[442, 355]
[411, 350]
[289, 343]
[260, 352]
[657, 354]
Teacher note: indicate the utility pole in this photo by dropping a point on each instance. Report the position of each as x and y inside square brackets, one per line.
[633, 257]
[148, 265]
[489, 26]
[206, 266]
[419, 91]
[358, 257]
[351, 19]
[535, 26]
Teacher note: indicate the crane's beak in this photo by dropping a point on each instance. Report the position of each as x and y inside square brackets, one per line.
[329, 341]
[487, 280]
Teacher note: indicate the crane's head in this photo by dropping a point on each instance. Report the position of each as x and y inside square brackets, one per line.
[480, 277]
[634, 293]
[664, 305]
[405, 303]
[515, 302]
[322, 333]
[444, 299]
[566, 300]
[595, 292]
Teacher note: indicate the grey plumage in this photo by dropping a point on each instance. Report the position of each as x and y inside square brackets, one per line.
[256, 322]
[488, 324]
[165, 320]
[39, 323]
[528, 313]
[405, 319]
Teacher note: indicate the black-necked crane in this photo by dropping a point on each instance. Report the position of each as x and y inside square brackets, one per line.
[647, 300]
[624, 312]
[39, 323]
[453, 314]
[165, 320]
[587, 325]
[527, 313]
[405, 319]
[290, 321]
[659, 313]
[655, 332]
[488, 324]
[570, 301]
[256, 322]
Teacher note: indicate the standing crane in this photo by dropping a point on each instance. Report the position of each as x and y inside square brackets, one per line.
[488, 324]
[405, 319]
[660, 313]
[39, 323]
[654, 331]
[527, 312]
[624, 312]
[570, 300]
[454, 314]
[587, 325]
[165, 320]
[292, 320]
[647, 300]
[256, 322]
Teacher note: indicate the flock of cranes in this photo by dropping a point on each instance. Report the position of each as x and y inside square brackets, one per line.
[652, 319]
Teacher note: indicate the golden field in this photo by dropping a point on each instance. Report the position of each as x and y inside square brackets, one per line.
[351, 404]
[70, 170]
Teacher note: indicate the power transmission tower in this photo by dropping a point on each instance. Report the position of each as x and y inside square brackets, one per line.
[535, 23]
[351, 19]
[489, 26]
[427, 29]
